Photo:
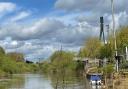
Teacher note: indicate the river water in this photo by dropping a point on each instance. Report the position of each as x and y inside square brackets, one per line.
[39, 81]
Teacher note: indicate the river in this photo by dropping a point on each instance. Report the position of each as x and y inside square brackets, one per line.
[39, 81]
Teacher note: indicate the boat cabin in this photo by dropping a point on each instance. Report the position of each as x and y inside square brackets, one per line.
[95, 79]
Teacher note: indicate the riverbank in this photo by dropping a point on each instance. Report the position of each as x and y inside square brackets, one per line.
[123, 84]
[14, 63]
[119, 81]
[18, 68]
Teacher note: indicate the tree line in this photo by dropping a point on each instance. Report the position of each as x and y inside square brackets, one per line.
[12, 63]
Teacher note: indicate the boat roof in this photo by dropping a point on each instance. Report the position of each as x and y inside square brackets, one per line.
[95, 77]
[96, 74]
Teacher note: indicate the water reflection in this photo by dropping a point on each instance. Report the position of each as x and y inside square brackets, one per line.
[95, 87]
[12, 81]
[37, 81]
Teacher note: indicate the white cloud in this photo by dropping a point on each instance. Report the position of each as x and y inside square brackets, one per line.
[121, 19]
[20, 16]
[14, 43]
[36, 29]
[48, 33]
[96, 6]
[6, 7]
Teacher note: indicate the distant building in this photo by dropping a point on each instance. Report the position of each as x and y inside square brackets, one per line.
[29, 62]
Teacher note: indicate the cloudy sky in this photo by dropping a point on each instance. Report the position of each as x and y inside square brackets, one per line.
[38, 27]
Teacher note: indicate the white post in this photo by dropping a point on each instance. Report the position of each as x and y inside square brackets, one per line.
[114, 33]
[126, 53]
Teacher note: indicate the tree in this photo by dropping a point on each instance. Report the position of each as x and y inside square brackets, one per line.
[2, 51]
[106, 51]
[122, 39]
[61, 58]
[16, 56]
[92, 47]
[82, 53]
[61, 64]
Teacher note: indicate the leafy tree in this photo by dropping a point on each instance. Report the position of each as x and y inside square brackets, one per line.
[16, 56]
[91, 48]
[61, 59]
[106, 51]
[9, 64]
[2, 51]
[82, 53]
[122, 39]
